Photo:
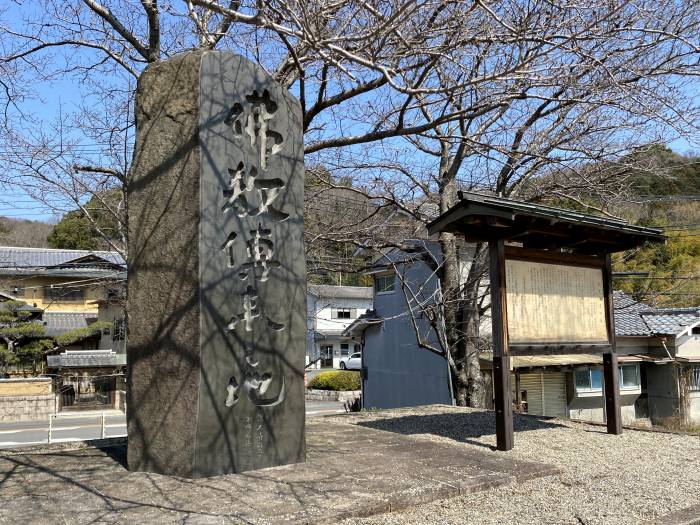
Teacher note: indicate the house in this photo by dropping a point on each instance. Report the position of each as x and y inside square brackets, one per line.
[397, 371]
[79, 294]
[659, 363]
[659, 355]
[60, 280]
[90, 372]
[331, 309]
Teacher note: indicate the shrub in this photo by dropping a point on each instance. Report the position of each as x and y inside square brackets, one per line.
[338, 381]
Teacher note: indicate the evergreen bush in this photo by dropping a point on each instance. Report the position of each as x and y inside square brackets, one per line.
[341, 380]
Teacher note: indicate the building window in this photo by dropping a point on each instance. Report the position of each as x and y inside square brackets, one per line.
[119, 330]
[629, 377]
[384, 283]
[343, 313]
[694, 383]
[64, 294]
[589, 380]
[344, 349]
[18, 291]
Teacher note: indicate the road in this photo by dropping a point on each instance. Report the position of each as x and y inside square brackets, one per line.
[69, 427]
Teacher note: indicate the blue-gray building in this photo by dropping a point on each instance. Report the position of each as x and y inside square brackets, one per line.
[398, 371]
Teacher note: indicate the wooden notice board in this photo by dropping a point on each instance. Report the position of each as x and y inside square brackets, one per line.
[555, 303]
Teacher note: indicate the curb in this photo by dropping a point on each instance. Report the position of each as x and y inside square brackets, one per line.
[687, 516]
[60, 447]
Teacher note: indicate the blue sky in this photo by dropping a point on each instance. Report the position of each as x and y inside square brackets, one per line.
[65, 94]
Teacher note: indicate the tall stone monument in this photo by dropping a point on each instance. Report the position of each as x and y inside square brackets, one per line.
[217, 279]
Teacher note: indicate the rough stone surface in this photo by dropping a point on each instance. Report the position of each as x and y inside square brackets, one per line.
[27, 408]
[331, 395]
[163, 360]
[215, 226]
[351, 471]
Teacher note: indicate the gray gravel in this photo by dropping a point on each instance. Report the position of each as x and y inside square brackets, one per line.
[625, 479]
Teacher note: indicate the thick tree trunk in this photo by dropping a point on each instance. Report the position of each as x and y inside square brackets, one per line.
[453, 312]
[476, 388]
[460, 299]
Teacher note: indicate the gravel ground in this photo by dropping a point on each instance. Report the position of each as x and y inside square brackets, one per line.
[625, 479]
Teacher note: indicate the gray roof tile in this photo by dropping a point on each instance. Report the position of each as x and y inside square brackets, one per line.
[633, 318]
[341, 292]
[57, 323]
[19, 257]
[628, 321]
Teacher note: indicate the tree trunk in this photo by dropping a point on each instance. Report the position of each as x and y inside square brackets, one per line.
[470, 321]
[453, 312]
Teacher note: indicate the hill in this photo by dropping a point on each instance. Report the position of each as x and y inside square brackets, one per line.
[23, 232]
[665, 194]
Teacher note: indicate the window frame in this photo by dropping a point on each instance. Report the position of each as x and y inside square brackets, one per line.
[589, 389]
[694, 379]
[594, 391]
[63, 294]
[344, 311]
[638, 384]
[385, 291]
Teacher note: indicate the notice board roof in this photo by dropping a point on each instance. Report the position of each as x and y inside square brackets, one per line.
[482, 218]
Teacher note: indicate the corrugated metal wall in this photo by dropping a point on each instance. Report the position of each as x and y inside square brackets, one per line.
[546, 393]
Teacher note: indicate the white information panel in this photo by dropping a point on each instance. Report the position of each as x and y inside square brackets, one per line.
[554, 303]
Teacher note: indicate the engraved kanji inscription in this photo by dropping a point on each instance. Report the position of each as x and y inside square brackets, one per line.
[252, 120]
[247, 195]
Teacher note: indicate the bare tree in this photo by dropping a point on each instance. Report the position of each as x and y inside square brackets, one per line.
[610, 78]
[409, 100]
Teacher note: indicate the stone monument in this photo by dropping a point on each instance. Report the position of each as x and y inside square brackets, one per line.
[217, 279]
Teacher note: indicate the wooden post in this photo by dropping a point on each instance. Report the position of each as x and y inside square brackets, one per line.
[499, 330]
[611, 373]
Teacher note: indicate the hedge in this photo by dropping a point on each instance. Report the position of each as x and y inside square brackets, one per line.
[341, 380]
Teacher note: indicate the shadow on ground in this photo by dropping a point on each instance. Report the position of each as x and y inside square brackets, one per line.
[459, 426]
[342, 477]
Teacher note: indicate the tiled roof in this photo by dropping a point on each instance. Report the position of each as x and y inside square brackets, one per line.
[341, 292]
[628, 321]
[19, 257]
[57, 323]
[670, 323]
[633, 318]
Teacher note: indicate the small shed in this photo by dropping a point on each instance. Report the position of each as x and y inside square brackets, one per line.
[551, 286]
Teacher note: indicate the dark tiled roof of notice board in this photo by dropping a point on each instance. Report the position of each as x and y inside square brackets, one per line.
[482, 218]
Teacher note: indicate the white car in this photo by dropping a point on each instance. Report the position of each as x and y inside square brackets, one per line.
[352, 362]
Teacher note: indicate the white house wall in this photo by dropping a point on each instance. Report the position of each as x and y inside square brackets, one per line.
[320, 320]
[688, 346]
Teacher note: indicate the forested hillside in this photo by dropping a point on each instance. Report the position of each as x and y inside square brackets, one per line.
[665, 194]
[22, 232]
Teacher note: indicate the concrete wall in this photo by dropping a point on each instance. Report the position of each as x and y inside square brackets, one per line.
[26, 399]
[662, 390]
[688, 346]
[591, 408]
[399, 372]
[27, 408]
[324, 305]
[694, 408]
